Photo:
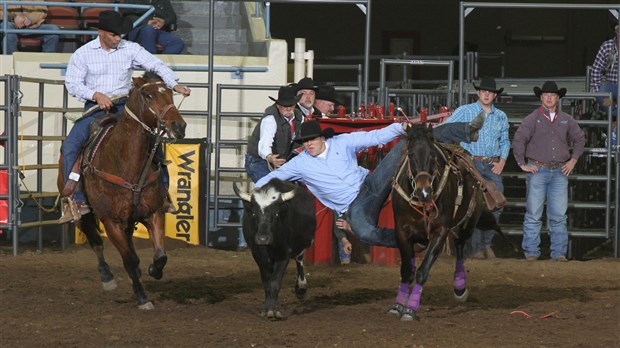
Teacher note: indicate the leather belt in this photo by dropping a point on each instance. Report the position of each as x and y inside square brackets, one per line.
[486, 160]
[547, 165]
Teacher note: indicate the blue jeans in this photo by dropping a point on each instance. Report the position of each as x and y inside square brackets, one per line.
[148, 37]
[613, 88]
[256, 167]
[452, 133]
[552, 185]
[50, 41]
[481, 239]
[76, 138]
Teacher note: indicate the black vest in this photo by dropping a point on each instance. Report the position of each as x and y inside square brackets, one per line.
[282, 142]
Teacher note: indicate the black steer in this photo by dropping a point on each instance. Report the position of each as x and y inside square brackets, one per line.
[278, 224]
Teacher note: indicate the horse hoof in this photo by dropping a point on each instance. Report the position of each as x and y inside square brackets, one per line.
[155, 272]
[273, 314]
[408, 315]
[156, 269]
[109, 286]
[397, 309]
[463, 297]
[300, 292]
[147, 306]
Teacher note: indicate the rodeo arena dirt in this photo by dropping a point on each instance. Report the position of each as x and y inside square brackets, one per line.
[213, 298]
[54, 293]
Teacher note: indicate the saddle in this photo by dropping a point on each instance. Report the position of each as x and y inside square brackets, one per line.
[493, 198]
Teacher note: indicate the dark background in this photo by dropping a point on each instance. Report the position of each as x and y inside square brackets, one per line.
[537, 42]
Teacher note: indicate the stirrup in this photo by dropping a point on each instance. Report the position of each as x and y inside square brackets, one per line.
[72, 211]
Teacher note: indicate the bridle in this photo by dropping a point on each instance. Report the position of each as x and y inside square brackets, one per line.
[159, 116]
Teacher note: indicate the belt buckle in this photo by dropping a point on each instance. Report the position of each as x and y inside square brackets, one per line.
[487, 160]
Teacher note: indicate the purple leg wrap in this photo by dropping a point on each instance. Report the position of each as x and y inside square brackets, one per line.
[414, 299]
[403, 293]
[460, 276]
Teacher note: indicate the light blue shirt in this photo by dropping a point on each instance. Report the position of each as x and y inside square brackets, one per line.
[335, 179]
[93, 69]
[492, 138]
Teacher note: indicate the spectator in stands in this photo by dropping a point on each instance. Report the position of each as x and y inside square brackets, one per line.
[605, 71]
[307, 90]
[328, 166]
[271, 142]
[102, 81]
[325, 102]
[490, 151]
[541, 147]
[158, 28]
[29, 17]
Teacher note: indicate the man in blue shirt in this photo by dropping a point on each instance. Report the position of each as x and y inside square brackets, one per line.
[490, 151]
[328, 166]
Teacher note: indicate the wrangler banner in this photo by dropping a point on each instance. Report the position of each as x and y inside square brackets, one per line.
[185, 175]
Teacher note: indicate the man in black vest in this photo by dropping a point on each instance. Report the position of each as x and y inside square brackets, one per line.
[306, 90]
[271, 142]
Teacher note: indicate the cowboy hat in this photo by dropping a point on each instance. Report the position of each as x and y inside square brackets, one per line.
[113, 22]
[549, 87]
[286, 96]
[311, 129]
[488, 84]
[305, 83]
[327, 93]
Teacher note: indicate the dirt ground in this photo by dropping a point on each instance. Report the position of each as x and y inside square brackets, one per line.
[212, 298]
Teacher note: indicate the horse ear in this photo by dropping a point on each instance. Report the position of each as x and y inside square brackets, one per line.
[138, 81]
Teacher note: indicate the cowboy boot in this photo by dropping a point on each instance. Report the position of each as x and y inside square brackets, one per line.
[474, 126]
[168, 205]
[72, 211]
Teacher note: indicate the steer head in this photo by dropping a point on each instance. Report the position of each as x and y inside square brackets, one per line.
[265, 213]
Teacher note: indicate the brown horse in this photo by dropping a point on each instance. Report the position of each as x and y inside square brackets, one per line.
[123, 184]
[433, 196]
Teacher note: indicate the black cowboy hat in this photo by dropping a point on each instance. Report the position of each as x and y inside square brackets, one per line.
[311, 129]
[286, 96]
[113, 22]
[327, 93]
[549, 87]
[305, 83]
[488, 84]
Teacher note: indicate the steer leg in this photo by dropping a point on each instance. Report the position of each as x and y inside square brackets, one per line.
[301, 285]
[274, 285]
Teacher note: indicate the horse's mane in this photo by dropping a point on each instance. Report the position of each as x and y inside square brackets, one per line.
[151, 76]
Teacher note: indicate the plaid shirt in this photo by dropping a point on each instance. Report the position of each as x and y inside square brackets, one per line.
[492, 138]
[600, 70]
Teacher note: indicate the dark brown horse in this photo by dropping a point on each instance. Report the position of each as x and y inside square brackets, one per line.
[433, 197]
[124, 185]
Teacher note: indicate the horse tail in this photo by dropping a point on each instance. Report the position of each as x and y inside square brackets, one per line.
[488, 222]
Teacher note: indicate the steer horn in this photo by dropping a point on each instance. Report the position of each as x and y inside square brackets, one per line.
[288, 195]
[243, 195]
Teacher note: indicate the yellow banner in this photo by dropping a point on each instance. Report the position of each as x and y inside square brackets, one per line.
[184, 192]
